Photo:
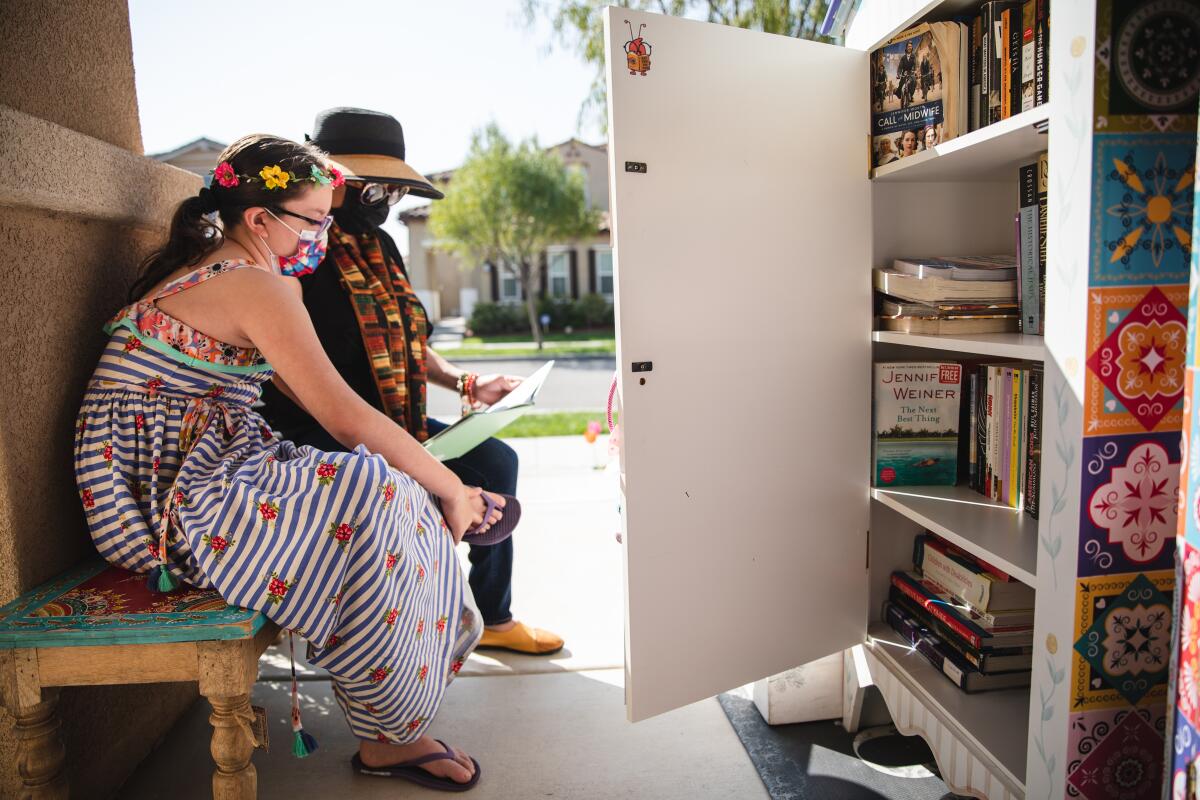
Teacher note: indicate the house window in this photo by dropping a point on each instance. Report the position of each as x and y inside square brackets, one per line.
[558, 273]
[604, 272]
[510, 285]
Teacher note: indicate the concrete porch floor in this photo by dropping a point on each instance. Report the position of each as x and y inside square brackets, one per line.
[540, 727]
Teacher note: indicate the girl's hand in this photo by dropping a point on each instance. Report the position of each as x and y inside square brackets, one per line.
[464, 511]
[490, 389]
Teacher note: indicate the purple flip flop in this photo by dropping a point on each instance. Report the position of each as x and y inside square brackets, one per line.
[502, 529]
[411, 771]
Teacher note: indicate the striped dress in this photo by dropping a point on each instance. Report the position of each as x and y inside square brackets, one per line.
[341, 548]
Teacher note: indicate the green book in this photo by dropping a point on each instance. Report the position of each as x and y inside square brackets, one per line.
[472, 430]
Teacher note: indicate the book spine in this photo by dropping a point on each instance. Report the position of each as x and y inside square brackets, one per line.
[972, 452]
[1015, 471]
[1014, 438]
[1033, 458]
[1023, 432]
[936, 609]
[973, 75]
[1028, 259]
[1014, 60]
[911, 631]
[956, 578]
[1039, 54]
[987, 57]
[1028, 50]
[1005, 64]
[1020, 285]
[981, 428]
[993, 412]
[1010, 386]
[1043, 183]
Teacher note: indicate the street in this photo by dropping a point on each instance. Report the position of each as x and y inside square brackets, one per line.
[575, 384]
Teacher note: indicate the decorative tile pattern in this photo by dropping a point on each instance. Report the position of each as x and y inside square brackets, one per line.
[1147, 65]
[1122, 649]
[1118, 754]
[1129, 499]
[1142, 188]
[1138, 340]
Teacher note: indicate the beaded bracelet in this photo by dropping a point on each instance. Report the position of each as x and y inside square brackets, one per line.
[466, 390]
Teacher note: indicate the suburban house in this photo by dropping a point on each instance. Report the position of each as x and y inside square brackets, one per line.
[568, 270]
[198, 156]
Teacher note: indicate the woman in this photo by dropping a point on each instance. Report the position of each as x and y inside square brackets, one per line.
[180, 477]
[929, 137]
[906, 142]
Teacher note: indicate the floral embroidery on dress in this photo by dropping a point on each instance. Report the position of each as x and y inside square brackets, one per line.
[277, 588]
[269, 511]
[379, 674]
[390, 563]
[326, 472]
[219, 544]
[341, 532]
[151, 322]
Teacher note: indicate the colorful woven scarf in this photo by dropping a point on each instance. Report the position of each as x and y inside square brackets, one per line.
[392, 321]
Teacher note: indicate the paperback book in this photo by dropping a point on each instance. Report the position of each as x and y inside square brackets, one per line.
[916, 417]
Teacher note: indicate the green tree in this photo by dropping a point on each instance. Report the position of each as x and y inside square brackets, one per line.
[505, 205]
[579, 26]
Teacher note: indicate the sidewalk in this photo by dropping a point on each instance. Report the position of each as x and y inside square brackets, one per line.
[540, 727]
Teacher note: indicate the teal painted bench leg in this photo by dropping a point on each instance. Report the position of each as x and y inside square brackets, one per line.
[40, 752]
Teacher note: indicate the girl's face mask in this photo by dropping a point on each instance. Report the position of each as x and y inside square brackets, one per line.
[309, 251]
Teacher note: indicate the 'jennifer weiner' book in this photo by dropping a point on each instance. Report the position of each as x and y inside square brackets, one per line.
[916, 424]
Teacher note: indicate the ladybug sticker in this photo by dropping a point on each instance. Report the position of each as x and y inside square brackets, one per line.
[637, 51]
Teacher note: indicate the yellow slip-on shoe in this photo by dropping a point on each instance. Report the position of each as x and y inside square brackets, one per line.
[522, 639]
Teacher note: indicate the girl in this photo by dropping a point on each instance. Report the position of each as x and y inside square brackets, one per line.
[180, 477]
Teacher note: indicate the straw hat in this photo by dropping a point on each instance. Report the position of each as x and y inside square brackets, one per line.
[370, 147]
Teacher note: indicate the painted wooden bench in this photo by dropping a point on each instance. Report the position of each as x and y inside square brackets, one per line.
[99, 625]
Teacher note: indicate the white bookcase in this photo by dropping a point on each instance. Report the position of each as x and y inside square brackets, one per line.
[745, 227]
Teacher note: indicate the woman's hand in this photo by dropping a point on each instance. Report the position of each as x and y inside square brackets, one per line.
[464, 510]
[490, 389]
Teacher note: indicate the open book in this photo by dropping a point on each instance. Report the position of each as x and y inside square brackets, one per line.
[470, 431]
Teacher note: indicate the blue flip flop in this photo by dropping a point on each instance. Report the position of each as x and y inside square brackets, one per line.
[411, 771]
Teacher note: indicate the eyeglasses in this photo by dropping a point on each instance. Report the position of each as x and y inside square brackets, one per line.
[322, 224]
[373, 193]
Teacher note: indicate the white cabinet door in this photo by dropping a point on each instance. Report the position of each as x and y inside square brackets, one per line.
[742, 256]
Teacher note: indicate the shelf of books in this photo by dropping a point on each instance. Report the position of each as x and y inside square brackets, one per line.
[1002, 536]
[994, 722]
[991, 153]
[1026, 347]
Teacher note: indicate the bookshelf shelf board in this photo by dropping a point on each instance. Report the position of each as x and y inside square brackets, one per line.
[1002, 536]
[991, 721]
[1000, 345]
[992, 153]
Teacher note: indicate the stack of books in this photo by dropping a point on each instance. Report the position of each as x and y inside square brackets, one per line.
[1004, 443]
[1008, 69]
[949, 295]
[971, 621]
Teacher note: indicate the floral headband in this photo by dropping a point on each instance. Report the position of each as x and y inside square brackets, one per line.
[274, 177]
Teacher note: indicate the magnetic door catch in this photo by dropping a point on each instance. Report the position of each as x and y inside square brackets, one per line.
[643, 366]
[636, 166]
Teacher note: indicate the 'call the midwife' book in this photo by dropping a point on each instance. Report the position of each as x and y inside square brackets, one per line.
[916, 424]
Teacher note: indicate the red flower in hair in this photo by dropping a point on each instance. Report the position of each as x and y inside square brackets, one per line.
[338, 177]
[225, 175]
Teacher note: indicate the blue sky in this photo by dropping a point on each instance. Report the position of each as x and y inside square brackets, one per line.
[442, 67]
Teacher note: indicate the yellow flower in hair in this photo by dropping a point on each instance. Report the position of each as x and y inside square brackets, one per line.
[274, 177]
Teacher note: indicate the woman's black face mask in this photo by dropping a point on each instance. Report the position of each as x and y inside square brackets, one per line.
[353, 216]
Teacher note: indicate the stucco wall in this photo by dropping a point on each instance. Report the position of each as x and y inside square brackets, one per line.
[79, 207]
[71, 63]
